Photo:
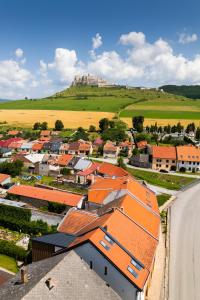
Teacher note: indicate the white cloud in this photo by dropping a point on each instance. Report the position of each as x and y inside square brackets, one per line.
[96, 41]
[65, 64]
[19, 52]
[141, 63]
[185, 38]
[133, 38]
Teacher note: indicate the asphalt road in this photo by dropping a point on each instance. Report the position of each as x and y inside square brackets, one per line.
[184, 266]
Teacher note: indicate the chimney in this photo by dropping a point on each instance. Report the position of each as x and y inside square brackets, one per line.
[24, 275]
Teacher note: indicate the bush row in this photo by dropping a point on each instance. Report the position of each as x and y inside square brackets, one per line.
[10, 249]
[15, 212]
[31, 228]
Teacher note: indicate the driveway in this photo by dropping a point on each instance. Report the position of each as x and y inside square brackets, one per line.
[49, 218]
[184, 267]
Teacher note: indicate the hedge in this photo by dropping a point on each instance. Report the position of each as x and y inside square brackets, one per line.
[31, 228]
[15, 212]
[10, 249]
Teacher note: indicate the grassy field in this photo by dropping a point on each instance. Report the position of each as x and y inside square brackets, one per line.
[164, 180]
[162, 199]
[8, 263]
[87, 105]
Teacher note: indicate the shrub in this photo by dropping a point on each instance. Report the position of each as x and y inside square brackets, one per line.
[56, 207]
[15, 212]
[10, 249]
[31, 228]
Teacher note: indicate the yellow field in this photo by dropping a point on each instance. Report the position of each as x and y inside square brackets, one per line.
[162, 122]
[70, 119]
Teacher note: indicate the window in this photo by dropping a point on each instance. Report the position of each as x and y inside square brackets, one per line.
[167, 166]
[135, 264]
[108, 240]
[135, 274]
[91, 265]
[173, 161]
[182, 162]
[105, 271]
[104, 245]
[167, 161]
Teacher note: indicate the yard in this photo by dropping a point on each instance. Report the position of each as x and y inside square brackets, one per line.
[8, 263]
[167, 181]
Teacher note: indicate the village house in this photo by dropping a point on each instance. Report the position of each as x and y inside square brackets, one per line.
[126, 147]
[64, 147]
[188, 158]
[140, 160]
[45, 134]
[82, 148]
[163, 158]
[110, 150]
[96, 238]
[5, 179]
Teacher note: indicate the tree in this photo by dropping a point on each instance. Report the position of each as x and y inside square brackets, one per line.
[37, 126]
[120, 163]
[12, 168]
[44, 126]
[92, 128]
[103, 124]
[197, 135]
[80, 134]
[59, 125]
[138, 123]
[190, 127]
[135, 152]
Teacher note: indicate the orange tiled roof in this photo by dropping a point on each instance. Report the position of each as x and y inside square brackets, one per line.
[142, 144]
[46, 194]
[13, 132]
[64, 159]
[75, 220]
[188, 153]
[110, 147]
[3, 177]
[130, 241]
[37, 146]
[84, 146]
[164, 152]
[16, 145]
[111, 170]
[102, 187]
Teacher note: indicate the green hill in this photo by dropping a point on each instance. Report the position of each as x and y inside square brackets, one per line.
[189, 91]
[92, 99]
[150, 103]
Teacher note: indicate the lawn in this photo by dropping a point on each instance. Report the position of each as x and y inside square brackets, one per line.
[161, 114]
[8, 263]
[162, 199]
[99, 99]
[167, 181]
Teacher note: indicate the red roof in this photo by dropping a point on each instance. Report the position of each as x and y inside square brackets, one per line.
[111, 170]
[142, 144]
[88, 171]
[64, 159]
[46, 194]
[164, 152]
[6, 143]
[37, 146]
[3, 177]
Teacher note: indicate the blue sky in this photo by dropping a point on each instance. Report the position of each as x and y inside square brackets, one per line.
[139, 42]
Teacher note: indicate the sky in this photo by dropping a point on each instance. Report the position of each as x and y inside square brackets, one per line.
[45, 43]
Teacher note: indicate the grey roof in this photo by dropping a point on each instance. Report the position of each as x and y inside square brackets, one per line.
[72, 280]
[82, 164]
[58, 239]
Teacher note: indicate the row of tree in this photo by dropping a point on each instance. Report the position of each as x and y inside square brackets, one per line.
[44, 126]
